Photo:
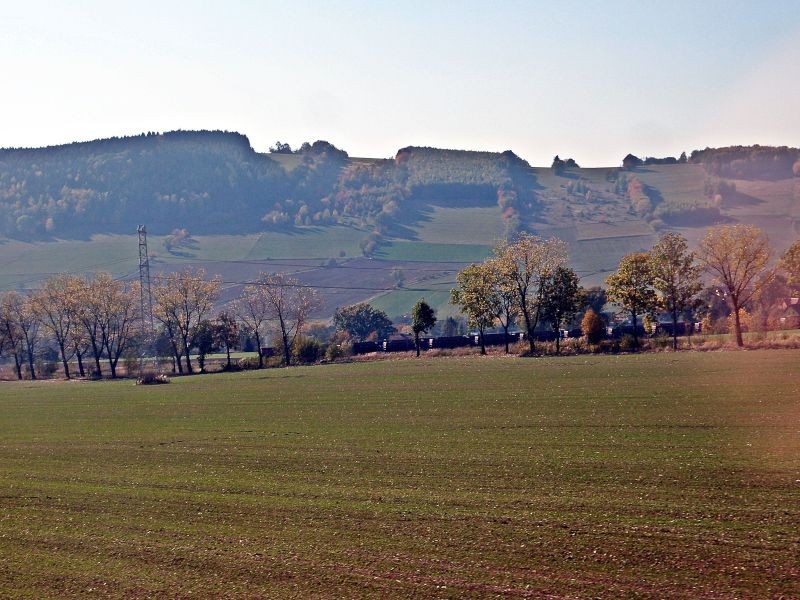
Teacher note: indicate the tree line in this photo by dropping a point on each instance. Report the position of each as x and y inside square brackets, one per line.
[95, 321]
[527, 281]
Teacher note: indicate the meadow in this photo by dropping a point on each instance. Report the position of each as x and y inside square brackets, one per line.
[653, 475]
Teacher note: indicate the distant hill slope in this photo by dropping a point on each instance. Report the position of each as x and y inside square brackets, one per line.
[75, 207]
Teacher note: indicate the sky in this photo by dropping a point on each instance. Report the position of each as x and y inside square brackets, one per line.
[588, 80]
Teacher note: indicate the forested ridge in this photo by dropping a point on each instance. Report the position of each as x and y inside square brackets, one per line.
[215, 182]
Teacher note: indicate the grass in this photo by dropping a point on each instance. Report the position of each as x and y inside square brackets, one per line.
[450, 225]
[25, 265]
[436, 293]
[308, 242]
[648, 476]
[422, 251]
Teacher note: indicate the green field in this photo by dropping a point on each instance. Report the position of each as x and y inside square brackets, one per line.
[25, 265]
[308, 242]
[422, 251]
[460, 225]
[658, 475]
[436, 292]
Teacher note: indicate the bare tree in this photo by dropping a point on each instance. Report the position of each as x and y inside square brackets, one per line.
[118, 319]
[11, 332]
[252, 309]
[289, 304]
[53, 306]
[183, 300]
[87, 309]
[22, 324]
[736, 255]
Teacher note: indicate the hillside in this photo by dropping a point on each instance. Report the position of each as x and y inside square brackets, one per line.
[356, 227]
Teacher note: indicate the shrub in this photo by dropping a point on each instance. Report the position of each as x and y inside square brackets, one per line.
[45, 368]
[335, 351]
[248, 363]
[307, 350]
[607, 346]
[628, 343]
[152, 378]
[661, 341]
[592, 327]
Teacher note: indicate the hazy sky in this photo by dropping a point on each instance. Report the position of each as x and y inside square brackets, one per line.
[592, 80]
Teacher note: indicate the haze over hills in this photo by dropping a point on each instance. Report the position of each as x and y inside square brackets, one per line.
[360, 227]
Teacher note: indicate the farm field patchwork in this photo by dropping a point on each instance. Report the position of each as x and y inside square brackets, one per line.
[657, 475]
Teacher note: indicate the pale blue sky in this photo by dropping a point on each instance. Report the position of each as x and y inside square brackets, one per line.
[592, 80]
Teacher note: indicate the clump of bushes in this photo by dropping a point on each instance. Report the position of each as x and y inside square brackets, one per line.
[338, 351]
[152, 378]
[307, 350]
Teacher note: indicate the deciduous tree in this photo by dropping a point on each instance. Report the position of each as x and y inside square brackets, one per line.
[522, 266]
[25, 322]
[53, 304]
[736, 255]
[203, 336]
[182, 301]
[561, 299]
[11, 332]
[289, 304]
[476, 294]
[361, 320]
[253, 311]
[790, 262]
[423, 319]
[227, 334]
[506, 295]
[632, 287]
[592, 327]
[676, 277]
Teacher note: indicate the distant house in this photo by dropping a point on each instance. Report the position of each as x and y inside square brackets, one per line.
[785, 314]
[663, 325]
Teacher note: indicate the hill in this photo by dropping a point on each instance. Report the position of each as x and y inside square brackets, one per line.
[318, 211]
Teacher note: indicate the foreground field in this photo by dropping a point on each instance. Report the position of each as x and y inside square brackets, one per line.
[650, 476]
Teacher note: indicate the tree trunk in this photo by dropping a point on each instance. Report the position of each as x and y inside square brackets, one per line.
[30, 362]
[189, 369]
[483, 344]
[505, 337]
[176, 358]
[529, 329]
[64, 359]
[81, 370]
[738, 327]
[97, 354]
[228, 351]
[260, 356]
[558, 340]
[416, 342]
[674, 329]
[111, 363]
[18, 365]
[287, 352]
[635, 330]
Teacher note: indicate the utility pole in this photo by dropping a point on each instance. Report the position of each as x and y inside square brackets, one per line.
[146, 295]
